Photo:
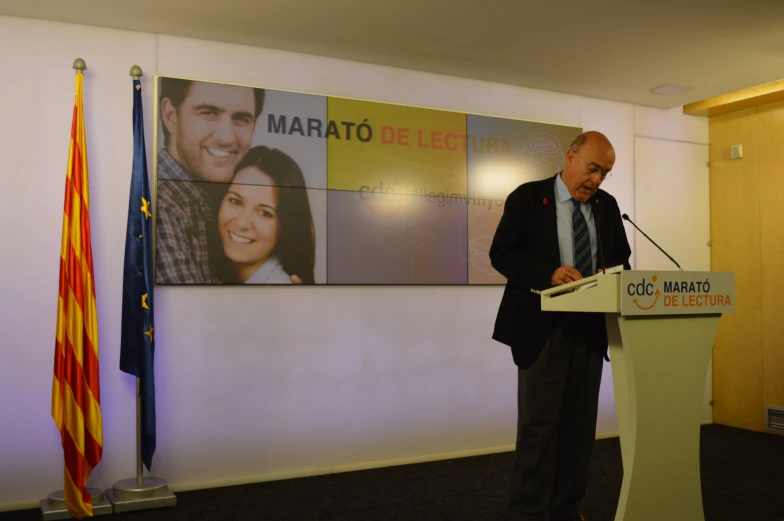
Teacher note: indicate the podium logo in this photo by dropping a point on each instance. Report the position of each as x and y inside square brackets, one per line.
[673, 294]
[691, 294]
[646, 290]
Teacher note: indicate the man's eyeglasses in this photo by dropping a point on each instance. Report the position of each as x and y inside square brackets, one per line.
[592, 170]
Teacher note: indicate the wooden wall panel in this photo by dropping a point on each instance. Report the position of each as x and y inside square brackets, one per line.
[771, 168]
[735, 236]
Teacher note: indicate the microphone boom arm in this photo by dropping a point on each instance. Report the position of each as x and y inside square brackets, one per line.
[626, 218]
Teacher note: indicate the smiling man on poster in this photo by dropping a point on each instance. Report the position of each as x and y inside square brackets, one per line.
[208, 129]
[552, 232]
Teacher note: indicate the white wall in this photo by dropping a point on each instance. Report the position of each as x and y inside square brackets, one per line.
[248, 388]
[672, 206]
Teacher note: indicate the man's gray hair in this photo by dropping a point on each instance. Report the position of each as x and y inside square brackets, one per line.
[577, 143]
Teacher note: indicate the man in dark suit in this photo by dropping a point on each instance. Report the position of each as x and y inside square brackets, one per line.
[552, 232]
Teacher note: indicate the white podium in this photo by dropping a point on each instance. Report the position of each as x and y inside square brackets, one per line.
[661, 326]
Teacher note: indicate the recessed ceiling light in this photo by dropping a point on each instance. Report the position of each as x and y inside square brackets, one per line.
[670, 89]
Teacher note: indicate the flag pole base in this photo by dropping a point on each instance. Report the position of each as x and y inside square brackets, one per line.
[53, 507]
[127, 495]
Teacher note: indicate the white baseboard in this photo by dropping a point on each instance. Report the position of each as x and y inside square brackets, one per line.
[365, 465]
[20, 505]
[305, 473]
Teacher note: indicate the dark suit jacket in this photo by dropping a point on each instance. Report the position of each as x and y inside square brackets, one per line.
[525, 250]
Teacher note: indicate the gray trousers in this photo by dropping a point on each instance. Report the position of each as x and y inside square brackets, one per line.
[557, 403]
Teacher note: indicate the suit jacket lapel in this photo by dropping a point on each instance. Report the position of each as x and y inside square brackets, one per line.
[602, 232]
[550, 231]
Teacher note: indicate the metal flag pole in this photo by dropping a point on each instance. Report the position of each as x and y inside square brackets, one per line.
[54, 507]
[139, 465]
[140, 493]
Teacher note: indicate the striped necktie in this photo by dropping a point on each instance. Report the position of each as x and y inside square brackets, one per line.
[583, 260]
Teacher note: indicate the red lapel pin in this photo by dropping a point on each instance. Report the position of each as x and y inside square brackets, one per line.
[544, 201]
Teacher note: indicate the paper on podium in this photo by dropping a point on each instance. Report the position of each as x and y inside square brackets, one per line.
[578, 285]
[587, 286]
[608, 271]
[598, 293]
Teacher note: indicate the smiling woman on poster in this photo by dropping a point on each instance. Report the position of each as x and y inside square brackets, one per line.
[265, 223]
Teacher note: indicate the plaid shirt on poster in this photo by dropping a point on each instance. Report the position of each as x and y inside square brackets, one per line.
[184, 211]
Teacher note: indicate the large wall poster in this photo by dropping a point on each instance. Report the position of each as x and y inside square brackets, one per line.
[259, 186]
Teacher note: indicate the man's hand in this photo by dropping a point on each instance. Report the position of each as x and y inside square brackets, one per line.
[296, 280]
[564, 275]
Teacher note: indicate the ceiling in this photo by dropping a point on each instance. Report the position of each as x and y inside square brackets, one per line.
[610, 49]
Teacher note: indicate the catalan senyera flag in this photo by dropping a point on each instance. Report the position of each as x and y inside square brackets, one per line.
[76, 397]
[136, 343]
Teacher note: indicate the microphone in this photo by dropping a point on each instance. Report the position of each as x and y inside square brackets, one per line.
[626, 218]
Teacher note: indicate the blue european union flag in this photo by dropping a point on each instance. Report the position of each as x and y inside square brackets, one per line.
[137, 347]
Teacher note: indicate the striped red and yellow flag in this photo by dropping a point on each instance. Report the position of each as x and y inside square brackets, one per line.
[76, 398]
